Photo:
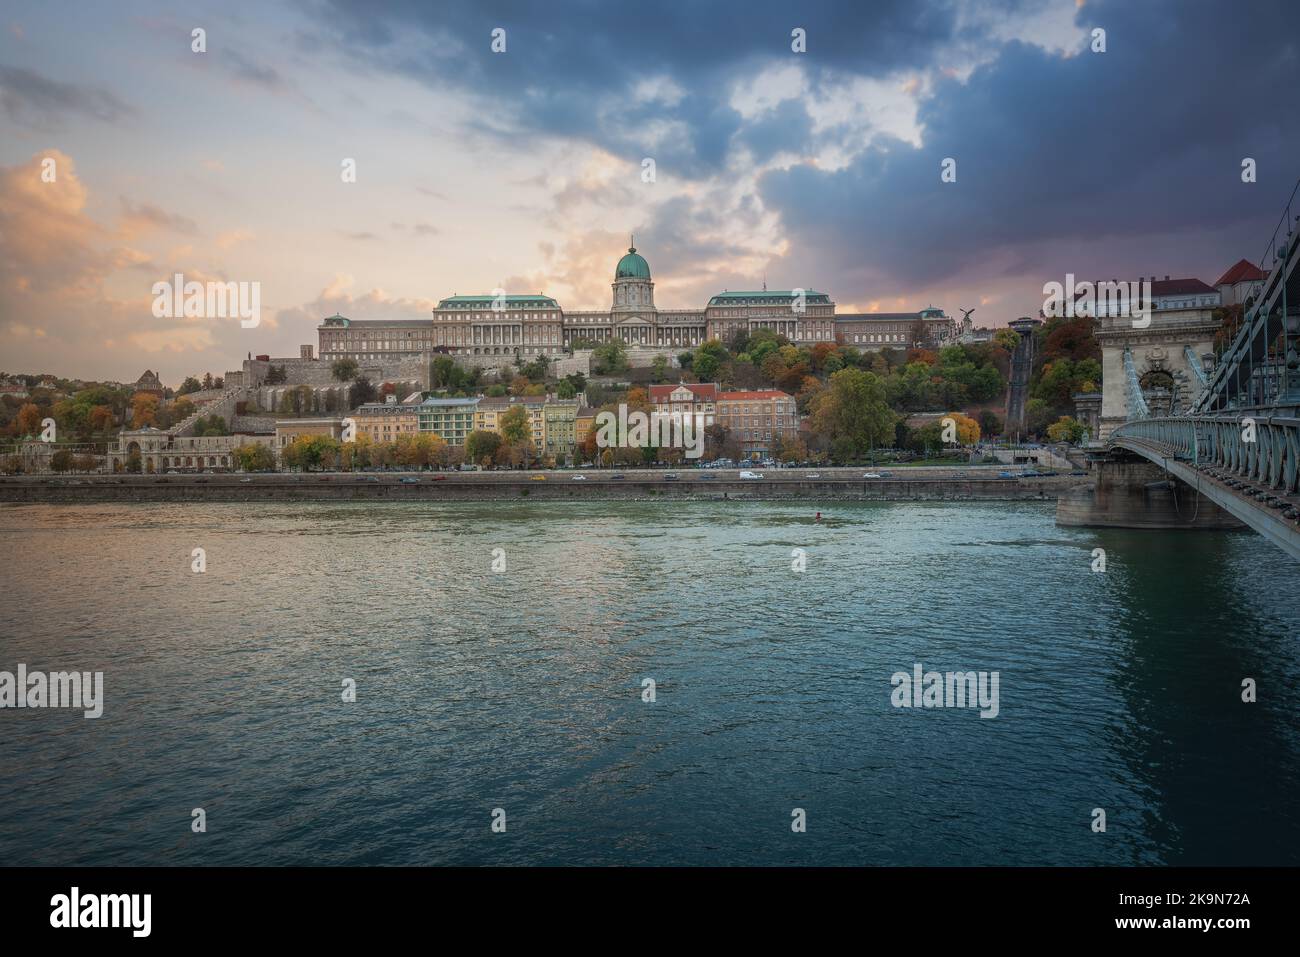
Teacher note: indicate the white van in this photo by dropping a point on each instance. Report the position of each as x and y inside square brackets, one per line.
[751, 475]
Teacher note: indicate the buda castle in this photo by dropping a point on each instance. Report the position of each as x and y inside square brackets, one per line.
[492, 331]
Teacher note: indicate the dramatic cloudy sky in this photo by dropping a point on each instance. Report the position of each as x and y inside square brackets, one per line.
[523, 169]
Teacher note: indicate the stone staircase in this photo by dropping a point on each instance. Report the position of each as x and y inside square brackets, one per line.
[223, 405]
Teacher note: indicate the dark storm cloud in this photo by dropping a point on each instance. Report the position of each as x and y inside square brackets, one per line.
[1145, 139]
[562, 58]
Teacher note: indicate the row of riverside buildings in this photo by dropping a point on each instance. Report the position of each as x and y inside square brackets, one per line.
[757, 419]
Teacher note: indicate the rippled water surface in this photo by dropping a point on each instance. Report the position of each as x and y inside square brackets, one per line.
[522, 690]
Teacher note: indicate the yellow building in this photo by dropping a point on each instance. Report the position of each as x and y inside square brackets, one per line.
[559, 432]
[286, 430]
[487, 418]
[584, 422]
[385, 422]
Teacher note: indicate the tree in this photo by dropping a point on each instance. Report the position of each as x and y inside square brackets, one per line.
[515, 425]
[190, 384]
[255, 457]
[1066, 429]
[345, 370]
[1007, 339]
[61, 461]
[967, 429]
[709, 357]
[659, 368]
[990, 424]
[1037, 416]
[310, 452]
[210, 425]
[361, 392]
[481, 445]
[610, 357]
[851, 415]
[144, 410]
[29, 419]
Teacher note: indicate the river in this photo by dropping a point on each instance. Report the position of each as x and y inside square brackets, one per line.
[521, 689]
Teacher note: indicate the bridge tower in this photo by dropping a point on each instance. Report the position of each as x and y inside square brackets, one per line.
[1160, 359]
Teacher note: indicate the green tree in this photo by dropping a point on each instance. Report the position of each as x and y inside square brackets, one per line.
[480, 445]
[361, 392]
[610, 357]
[515, 425]
[255, 457]
[1066, 429]
[708, 358]
[345, 370]
[851, 414]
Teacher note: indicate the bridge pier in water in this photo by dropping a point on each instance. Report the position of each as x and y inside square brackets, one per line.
[1131, 492]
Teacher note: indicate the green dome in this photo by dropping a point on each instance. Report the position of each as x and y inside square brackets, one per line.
[632, 266]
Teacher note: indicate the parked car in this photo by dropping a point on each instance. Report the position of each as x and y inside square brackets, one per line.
[746, 474]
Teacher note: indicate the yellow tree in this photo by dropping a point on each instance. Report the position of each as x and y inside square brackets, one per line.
[29, 419]
[144, 410]
[968, 430]
[514, 425]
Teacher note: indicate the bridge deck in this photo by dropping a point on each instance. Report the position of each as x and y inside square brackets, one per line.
[1274, 513]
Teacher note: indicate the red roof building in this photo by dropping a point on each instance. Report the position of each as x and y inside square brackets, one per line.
[684, 394]
[1242, 281]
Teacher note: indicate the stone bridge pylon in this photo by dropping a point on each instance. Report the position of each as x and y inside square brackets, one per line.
[1156, 365]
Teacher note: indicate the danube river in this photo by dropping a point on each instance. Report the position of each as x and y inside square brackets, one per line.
[522, 689]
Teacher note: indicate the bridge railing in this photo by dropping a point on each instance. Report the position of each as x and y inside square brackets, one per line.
[1253, 370]
[1263, 450]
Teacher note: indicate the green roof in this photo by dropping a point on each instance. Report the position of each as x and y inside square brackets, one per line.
[632, 266]
[767, 295]
[489, 299]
